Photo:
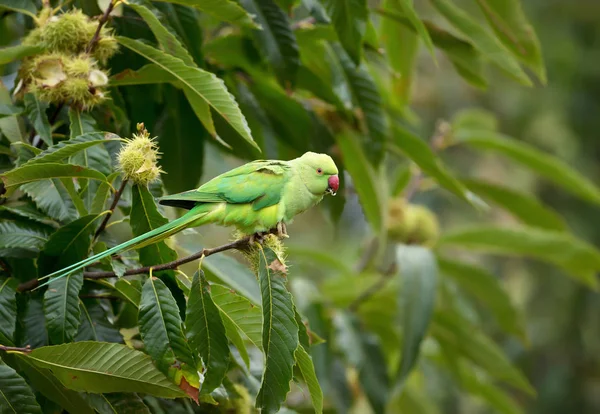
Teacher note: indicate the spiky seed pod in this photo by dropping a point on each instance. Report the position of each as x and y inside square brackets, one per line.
[410, 223]
[138, 158]
[49, 70]
[254, 252]
[79, 66]
[106, 47]
[97, 78]
[67, 33]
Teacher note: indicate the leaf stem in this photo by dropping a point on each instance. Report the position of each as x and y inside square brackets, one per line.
[112, 208]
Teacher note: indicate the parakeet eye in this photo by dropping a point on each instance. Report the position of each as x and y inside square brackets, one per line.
[319, 171]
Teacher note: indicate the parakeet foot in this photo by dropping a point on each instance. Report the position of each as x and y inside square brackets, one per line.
[258, 237]
[282, 230]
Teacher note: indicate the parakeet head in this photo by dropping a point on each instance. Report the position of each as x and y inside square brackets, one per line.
[319, 173]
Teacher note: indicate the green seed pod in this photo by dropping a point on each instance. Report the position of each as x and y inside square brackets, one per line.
[67, 33]
[410, 223]
[79, 66]
[138, 158]
[106, 47]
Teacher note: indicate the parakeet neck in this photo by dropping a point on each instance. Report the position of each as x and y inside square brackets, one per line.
[296, 196]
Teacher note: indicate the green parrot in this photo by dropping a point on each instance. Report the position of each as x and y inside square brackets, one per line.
[256, 197]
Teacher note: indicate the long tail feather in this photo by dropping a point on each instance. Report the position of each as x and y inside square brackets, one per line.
[145, 239]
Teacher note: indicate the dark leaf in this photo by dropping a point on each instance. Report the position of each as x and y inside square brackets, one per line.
[36, 111]
[8, 308]
[15, 395]
[349, 18]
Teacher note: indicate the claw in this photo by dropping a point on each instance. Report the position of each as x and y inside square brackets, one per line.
[258, 237]
[282, 230]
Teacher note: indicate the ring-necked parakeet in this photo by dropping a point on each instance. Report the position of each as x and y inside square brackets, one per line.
[256, 197]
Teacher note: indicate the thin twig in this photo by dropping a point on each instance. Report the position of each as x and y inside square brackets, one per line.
[90, 47]
[384, 278]
[26, 350]
[112, 208]
[109, 297]
[238, 244]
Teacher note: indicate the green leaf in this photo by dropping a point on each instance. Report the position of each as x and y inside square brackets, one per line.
[227, 10]
[514, 31]
[401, 47]
[28, 173]
[407, 8]
[487, 44]
[364, 179]
[545, 165]
[368, 99]
[130, 290]
[486, 288]
[161, 329]
[238, 315]
[167, 41]
[206, 332]
[61, 307]
[10, 126]
[99, 367]
[95, 325]
[349, 18]
[34, 333]
[51, 197]
[144, 218]
[27, 211]
[9, 110]
[528, 209]
[9, 54]
[459, 336]
[147, 74]
[202, 84]
[20, 6]
[419, 152]
[101, 194]
[67, 148]
[305, 363]
[276, 40]
[576, 257]
[418, 271]
[234, 274]
[47, 384]
[280, 333]
[36, 111]
[118, 403]
[15, 395]
[8, 308]
[16, 237]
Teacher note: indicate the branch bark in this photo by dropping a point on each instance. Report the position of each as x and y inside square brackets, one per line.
[90, 47]
[112, 208]
[26, 350]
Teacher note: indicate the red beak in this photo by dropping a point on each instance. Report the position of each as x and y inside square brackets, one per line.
[334, 183]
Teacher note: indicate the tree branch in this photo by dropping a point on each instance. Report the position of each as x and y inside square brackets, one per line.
[90, 47]
[26, 350]
[112, 208]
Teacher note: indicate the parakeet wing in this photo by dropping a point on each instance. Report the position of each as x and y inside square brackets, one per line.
[259, 182]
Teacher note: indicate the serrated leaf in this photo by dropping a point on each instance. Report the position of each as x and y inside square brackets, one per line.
[418, 271]
[20, 6]
[52, 197]
[145, 217]
[7, 109]
[368, 99]
[349, 18]
[226, 10]
[28, 211]
[580, 259]
[280, 333]
[68, 148]
[33, 323]
[364, 179]
[528, 209]
[147, 74]
[118, 403]
[9, 54]
[486, 288]
[130, 290]
[161, 329]
[99, 367]
[15, 395]
[204, 85]
[545, 165]
[95, 325]
[487, 44]
[458, 335]
[36, 111]
[43, 381]
[307, 368]
[206, 332]
[61, 307]
[238, 315]
[234, 274]
[514, 31]
[19, 238]
[101, 194]
[34, 172]
[419, 152]
[401, 46]
[10, 126]
[8, 308]
[276, 40]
